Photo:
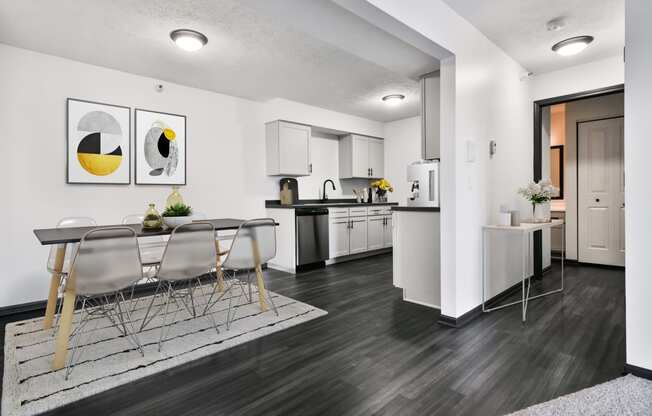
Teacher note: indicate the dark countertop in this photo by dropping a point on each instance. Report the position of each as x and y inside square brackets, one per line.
[308, 203]
[416, 209]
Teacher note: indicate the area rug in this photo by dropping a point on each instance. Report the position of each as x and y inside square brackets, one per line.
[108, 359]
[627, 395]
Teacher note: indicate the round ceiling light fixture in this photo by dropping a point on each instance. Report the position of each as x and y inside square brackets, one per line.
[393, 99]
[572, 46]
[188, 40]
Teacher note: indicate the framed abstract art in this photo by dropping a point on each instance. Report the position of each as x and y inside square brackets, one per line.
[98, 143]
[160, 148]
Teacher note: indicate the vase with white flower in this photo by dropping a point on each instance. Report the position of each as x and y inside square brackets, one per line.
[539, 194]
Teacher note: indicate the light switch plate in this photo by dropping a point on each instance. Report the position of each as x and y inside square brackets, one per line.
[470, 151]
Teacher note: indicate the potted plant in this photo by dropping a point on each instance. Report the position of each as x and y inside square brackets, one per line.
[382, 186]
[177, 214]
[539, 193]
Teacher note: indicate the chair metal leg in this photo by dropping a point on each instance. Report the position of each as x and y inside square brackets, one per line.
[129, 333]
[145, 321]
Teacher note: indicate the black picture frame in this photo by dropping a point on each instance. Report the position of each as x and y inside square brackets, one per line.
[137, 149]
[68, 181]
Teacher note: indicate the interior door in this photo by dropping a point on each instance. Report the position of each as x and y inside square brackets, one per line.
[601, 192]
[360, 155]
[375, 232]
[338, 237]
[376, 158]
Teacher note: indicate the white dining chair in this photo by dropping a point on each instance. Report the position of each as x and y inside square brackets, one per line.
[106, 264]
[253, 237]
[71, 249]
[189, 254]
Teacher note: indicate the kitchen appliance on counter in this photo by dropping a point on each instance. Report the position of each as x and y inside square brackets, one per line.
[289, 192]
[423, 176]
[312, 236]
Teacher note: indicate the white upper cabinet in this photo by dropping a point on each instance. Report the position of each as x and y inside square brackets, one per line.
[288, 148]
[361, 157]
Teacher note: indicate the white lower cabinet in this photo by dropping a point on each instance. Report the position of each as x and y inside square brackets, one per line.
[352, 231]
[358, 235]
[376, 232]
[338, 237]
[387, 231]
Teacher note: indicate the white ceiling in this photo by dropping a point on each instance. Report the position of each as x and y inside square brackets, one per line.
[519, 28]
[312, 52]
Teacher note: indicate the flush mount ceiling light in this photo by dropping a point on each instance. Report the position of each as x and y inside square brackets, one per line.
[188, 40]
[571, 46]
[393, 99]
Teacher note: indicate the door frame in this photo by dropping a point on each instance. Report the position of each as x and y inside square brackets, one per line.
[538, 107]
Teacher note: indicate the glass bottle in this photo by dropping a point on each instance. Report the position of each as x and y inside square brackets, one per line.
[153, 219]
[174, 198]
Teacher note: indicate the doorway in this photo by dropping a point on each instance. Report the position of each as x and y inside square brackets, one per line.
[593, 229]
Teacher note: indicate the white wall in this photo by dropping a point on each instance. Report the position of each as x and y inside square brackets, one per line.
[226, 153]
[402, 147]
[590, 76]
[490, 102]
[638, 147]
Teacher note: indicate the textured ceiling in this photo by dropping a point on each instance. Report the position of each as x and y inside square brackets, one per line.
[254, 51]
[519, 28]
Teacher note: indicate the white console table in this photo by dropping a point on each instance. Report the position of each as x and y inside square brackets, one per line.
[525, 229]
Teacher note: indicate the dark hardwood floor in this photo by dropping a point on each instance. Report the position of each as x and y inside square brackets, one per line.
[374, 354]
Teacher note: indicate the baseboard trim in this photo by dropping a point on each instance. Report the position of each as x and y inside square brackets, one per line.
[462, 320]
[638, 371]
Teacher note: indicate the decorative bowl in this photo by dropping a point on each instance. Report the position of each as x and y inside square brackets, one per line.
[174, 222]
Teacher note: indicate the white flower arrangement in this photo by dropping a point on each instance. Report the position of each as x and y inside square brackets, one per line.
[539, 192]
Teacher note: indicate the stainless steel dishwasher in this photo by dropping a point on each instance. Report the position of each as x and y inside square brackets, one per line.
[312, 235]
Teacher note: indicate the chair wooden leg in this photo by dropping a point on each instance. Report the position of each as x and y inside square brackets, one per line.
[262, 293]
[220, 274]
[54, 288]
[65, 325]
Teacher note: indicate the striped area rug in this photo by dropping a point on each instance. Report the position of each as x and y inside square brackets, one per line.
[108, 359]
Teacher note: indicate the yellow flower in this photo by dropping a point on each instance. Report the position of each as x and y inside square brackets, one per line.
[382, 184]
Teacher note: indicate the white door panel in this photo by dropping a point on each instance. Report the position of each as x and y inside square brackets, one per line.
[375, 228]
[358, 235]
[338, 237]
[601, 190]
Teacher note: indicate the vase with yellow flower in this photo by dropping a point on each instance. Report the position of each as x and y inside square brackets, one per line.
[382, 186]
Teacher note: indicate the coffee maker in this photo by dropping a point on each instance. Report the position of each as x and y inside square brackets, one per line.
[423, 176]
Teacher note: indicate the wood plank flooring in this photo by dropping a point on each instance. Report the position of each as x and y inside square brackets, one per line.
[375, 354]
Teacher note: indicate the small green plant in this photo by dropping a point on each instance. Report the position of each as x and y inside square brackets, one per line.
[177, 210]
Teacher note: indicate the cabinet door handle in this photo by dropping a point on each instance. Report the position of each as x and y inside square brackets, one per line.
[597, 199]
[372, 171]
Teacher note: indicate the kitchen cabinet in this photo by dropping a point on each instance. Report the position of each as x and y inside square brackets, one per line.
[338, 237]
[376, 232]
[361, 157]
[430, 118]
[387, 231]
[287, 148]
[358, 235]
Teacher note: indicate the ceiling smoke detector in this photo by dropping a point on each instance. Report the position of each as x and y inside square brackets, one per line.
[572, 46]
[555, 25]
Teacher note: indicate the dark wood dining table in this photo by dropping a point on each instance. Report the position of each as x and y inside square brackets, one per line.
[66, 236]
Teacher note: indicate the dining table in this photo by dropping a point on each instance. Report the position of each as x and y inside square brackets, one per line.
[65, 237]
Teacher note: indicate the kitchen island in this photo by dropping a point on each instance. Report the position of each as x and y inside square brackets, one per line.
[417, 254]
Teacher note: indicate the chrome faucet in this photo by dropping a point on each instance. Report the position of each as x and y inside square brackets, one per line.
[324, 197]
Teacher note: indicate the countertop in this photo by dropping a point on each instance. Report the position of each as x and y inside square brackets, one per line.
[308, 203]
[416, 209]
